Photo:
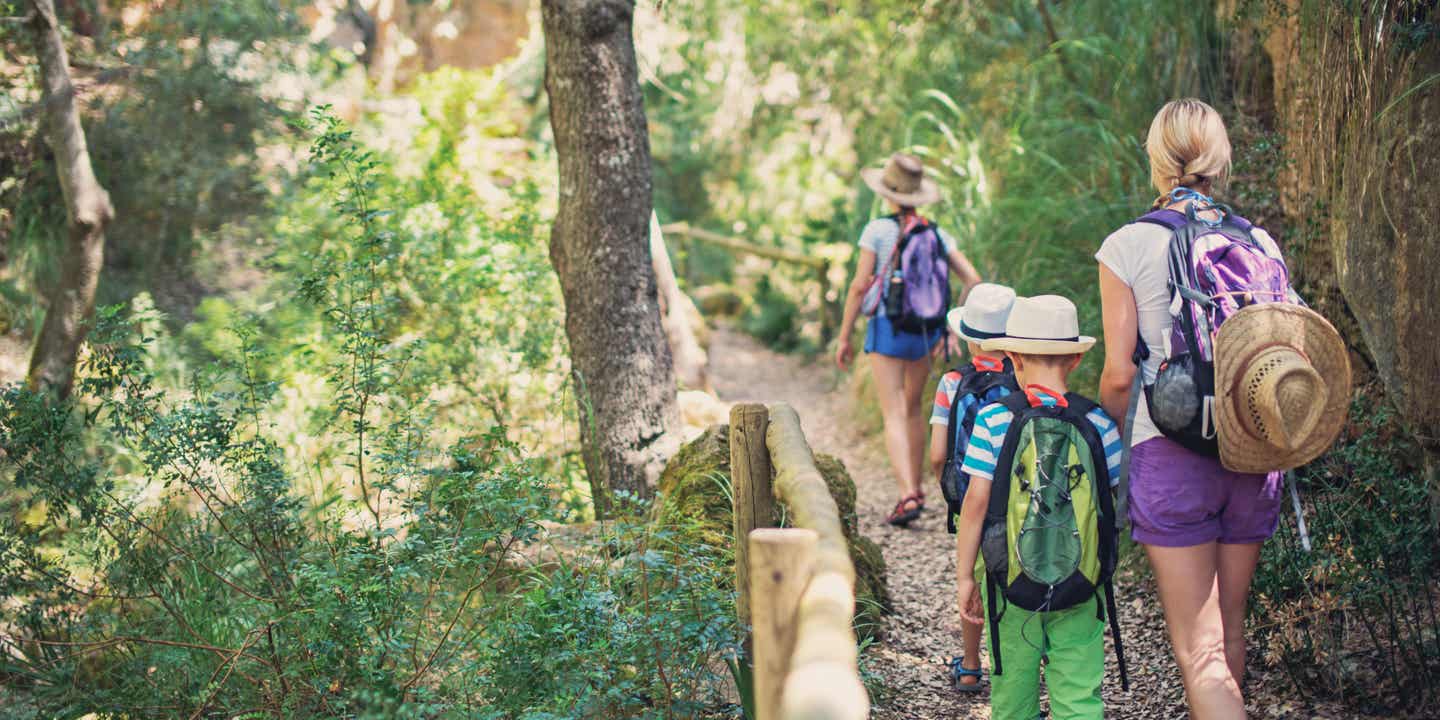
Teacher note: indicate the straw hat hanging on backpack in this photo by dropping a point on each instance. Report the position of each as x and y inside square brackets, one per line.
[1282, 386]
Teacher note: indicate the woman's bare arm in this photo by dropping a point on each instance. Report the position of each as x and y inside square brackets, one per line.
[1117, 306]
[864, 274]
[963, 269]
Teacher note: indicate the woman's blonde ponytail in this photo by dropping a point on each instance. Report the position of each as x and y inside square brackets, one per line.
[1188, 147]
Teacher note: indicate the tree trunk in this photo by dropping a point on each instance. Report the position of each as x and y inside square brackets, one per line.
[87, 210]
[599, 245]
[680, 319]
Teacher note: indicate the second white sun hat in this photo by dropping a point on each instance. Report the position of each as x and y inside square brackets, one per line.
[984, 314]
[1042, 325]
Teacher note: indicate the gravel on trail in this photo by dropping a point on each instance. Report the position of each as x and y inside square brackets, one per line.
[924, 632]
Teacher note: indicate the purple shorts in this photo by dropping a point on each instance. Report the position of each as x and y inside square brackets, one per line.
[1179, 498]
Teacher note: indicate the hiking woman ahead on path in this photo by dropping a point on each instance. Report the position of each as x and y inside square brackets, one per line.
[1217, 400]
[902, 283]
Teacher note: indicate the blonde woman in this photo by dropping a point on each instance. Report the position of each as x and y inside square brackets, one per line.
[900, 353]
[1201, 525]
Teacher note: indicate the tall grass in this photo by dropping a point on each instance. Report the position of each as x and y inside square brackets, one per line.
[1038, 144]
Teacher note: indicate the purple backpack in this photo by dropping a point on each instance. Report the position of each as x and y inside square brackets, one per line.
[917, 287]
[1216, 268]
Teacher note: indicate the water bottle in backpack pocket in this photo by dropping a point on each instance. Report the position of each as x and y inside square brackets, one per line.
[1216, 267]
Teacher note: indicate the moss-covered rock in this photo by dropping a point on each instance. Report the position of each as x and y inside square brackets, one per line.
[872, 594]
[694, 489]
[695, 500]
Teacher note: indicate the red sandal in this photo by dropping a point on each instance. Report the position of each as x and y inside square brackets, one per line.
[906, 511]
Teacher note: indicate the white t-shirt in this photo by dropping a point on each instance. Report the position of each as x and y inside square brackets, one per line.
[880, 237]
[1138, 254]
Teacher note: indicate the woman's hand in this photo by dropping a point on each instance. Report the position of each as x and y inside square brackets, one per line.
[969, 596]
[844, 353]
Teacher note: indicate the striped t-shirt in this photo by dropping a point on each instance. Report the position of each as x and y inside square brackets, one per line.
[994, 421]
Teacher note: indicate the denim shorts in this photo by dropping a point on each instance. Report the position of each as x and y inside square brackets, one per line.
[881, 337]
[1179, 498]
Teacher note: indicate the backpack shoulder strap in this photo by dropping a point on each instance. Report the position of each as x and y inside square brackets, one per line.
[1108, 530]
[1166, 218]
[1019, 406]
[1016, 403]
[1079, 404]
[1240, 222]
[1078, 412]
[892, 261]
[965, 370]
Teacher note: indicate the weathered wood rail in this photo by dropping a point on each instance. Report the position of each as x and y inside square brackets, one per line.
[820, 266]
[796, 585]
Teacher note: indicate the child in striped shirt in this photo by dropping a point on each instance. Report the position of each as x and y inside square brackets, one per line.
[1044, 345]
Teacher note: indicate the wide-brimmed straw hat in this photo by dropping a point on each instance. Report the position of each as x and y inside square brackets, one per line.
[984, 314]
[1042, 325]
[902, 180]
[1282, 387]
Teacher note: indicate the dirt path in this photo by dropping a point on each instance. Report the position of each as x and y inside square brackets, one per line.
[924, 632]
[920, 561]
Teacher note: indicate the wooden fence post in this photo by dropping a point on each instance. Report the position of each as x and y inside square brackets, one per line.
[781, 562]
[752, 497]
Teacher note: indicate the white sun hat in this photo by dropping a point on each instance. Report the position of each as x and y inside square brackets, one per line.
[984, 313]
[1042, 325]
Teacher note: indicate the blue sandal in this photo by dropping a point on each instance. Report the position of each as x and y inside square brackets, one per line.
[958, 671]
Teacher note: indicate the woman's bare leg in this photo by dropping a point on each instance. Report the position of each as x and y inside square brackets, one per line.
[1190, 594]
[889, 374]
[1237, 569]
[917, 373]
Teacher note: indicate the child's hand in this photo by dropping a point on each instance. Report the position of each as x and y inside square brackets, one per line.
[952, 341]
[969, 596]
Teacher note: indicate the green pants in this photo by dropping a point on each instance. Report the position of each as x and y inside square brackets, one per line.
[1073, 641]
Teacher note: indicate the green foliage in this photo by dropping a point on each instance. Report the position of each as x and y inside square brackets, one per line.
[459, 280]
[774, 318]
[189, 94]
[1035, 140]
[163, 558]
[1357, 616]
[637, 634]
[179, 151]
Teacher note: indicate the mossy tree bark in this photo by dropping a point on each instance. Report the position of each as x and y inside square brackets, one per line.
[1360, 110]
[87, 211]
[600, 247]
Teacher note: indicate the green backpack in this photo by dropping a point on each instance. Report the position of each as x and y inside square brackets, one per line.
[1049, 539]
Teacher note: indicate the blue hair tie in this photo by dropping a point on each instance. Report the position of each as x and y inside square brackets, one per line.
[1199, 202]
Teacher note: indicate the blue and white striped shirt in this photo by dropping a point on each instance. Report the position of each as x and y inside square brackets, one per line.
[994, 421]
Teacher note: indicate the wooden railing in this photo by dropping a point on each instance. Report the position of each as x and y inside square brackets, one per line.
[820, 266]
[796, 585]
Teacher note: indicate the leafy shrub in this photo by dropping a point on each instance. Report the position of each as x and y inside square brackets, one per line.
[1357, 616]
[471, 295]
[773, 318]
[156, 559]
